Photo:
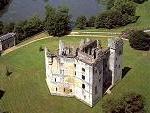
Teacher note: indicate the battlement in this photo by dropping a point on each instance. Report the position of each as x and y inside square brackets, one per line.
[85, 71]
[115, 43]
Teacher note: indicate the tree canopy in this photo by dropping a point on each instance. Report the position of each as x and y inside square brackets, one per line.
[121, 14]
[139, 40]
[57, 21]
[28, 28]
[91, 21]
[8, 27]
[81, 22]
[3, 3]
[131, 103]
[1, 27]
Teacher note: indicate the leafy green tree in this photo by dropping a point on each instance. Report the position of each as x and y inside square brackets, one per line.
[139, 40]
[8, 73]
[1, 27]
[3, 3]
[81, 22]
[33, 26]
[19, 30]
[57, 21]
[91, 21]
[108, 3]
[121, 14]
[28, 28]
[8, 28]
[125, 7]
[41, 49]
[108, 19]
[131, 103]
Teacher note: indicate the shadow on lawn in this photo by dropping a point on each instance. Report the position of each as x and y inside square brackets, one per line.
[2, 92]
[125, 70]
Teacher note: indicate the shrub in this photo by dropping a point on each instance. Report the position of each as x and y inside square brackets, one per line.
[28, 28]
[1, 27]
[8, 73]
[8, 28]
[57, 21]
[41, 49]
[139, 40]
[91, 21]
[108, 19]
[121, 14]
[131, 103]
[81, 22]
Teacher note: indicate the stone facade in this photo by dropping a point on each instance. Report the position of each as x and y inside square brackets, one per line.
[85, 72]
[7, 41]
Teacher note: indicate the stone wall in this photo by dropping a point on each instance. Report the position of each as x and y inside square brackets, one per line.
[86, 75]
[7, 43]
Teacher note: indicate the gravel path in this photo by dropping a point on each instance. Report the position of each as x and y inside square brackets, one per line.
[74, 34]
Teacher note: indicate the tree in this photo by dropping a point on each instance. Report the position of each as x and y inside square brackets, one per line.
[1, 27]
[28, 28]
[131, 103]
[108, 19]
[139, 40]
[8, 28]
[91, 21]
[3, 3]
[8, 73]
[108, 3]
[33, 26]
[121, 14]
[57, 21]
[125, 7]
[41, 49]
[19, 30]
[81, 22]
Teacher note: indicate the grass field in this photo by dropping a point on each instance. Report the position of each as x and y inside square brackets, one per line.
[26, 90]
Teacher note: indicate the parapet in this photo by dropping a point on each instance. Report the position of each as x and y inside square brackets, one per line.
[115, 43]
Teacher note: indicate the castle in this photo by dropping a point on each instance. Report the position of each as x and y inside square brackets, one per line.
[85, 72]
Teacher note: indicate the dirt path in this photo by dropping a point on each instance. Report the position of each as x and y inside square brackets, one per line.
[74, 34]
[110, 33]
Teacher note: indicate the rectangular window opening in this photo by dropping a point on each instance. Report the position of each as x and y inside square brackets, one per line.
[64, 89]
[83, 77]
[83, 86]
[83, 69]
[95, 90]
[56, 88]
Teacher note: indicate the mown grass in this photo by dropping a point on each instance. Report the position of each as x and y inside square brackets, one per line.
[26, 90]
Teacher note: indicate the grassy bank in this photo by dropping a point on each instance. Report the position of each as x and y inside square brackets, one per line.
[26, 90]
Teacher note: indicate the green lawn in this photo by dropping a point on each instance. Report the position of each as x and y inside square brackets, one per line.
[27, 92]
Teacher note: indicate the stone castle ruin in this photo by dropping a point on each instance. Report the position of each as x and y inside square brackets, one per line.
[86, 72]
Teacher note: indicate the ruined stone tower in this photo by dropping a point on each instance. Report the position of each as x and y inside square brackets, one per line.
[115, 59]
[85, 72]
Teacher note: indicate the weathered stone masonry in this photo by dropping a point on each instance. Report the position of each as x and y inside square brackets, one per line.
[7, 41]
[85, 72]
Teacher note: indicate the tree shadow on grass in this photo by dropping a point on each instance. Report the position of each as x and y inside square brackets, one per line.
[2, 92]
[125, 70]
